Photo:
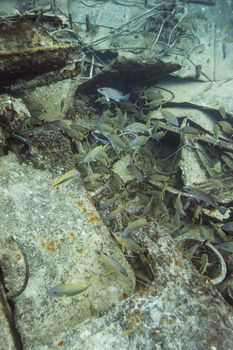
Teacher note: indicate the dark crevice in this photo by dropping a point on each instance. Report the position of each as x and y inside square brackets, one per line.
[9, 311]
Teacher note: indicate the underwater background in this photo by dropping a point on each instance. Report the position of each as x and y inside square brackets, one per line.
[116, 164]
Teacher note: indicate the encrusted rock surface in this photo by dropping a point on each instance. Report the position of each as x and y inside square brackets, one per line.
[49, 148]
[62, 236]
[13, 114]
[178, 311]
[61, 94]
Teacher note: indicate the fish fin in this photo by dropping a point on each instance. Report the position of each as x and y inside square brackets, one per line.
[222, 210]
[126, 97]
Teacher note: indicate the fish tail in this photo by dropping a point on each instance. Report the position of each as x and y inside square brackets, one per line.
[222, 210]
[126, 97]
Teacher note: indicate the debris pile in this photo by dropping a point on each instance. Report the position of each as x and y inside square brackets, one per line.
[28, 50]
[144, 160]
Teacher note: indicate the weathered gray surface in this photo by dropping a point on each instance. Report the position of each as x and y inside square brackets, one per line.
[60, 94]
[177, 312]
[62, 235]
[206, 94]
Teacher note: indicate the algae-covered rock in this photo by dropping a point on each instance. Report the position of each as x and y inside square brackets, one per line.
[62, 236]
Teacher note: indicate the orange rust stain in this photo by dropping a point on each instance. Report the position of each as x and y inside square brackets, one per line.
[94, 218]
[125, 295]
[18, 256]
[50, 247]
[60, 343]
[142, 291]
[170, 321]
[81, 206]
[134, 320]
[178, 263]
[127, 334]
[72, 236]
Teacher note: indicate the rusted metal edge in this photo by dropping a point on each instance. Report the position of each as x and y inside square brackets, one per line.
[44, 79]
[33, 50]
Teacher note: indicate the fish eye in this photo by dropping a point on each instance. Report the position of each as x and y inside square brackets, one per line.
[52, 292]
[56, 293]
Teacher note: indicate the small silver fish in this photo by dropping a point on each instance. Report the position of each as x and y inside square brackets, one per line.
[113, 94]
[200, 195]
[226, 127]
[22, 139]
[129, 244]
[136, 172]
[190, 130]
[169, 117]
[216, 131]
[133, 225]
[228, 161]
[112, 265]
[69, 289]
[66, 178]
[228, 227]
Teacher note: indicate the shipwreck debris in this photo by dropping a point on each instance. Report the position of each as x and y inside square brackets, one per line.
[28, 50]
